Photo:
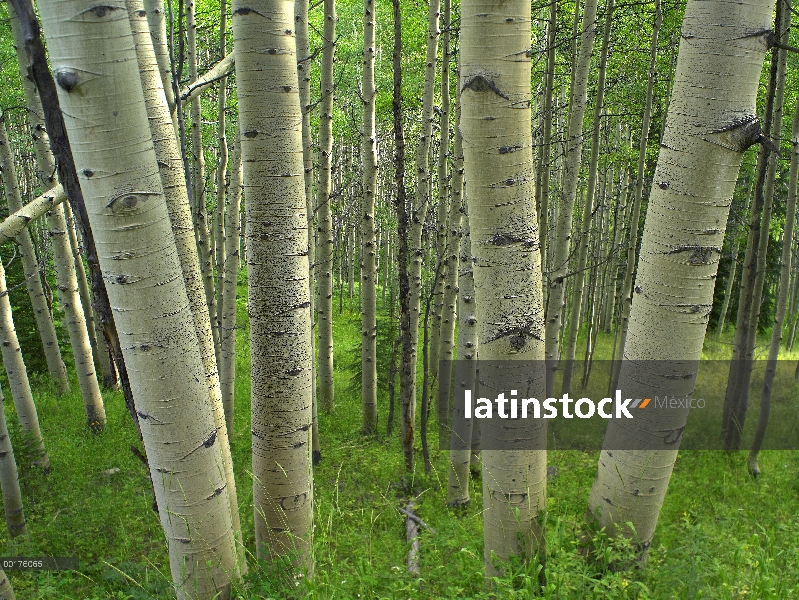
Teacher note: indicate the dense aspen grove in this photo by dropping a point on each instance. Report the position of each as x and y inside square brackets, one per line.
[258, 258]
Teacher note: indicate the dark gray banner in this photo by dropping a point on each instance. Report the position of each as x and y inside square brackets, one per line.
[656, 405]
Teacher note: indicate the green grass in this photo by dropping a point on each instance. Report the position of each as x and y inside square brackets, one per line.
[721, 533]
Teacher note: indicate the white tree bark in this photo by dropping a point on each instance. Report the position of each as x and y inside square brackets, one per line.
[498, 164]
[709, 125]
[277, 261]
[92, 52]
[9, 480]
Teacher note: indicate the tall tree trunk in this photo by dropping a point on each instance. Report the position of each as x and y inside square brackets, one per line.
[69, 299]
[444, 190]
[737, 395]
[452, 299]
[277, 261]
[173, 181]
[546, 140]
[368, 268]
[157, 21]
[563, 229]
[227, 331]
[221, 189]
[585, 233]
[41, 310]
[9, 480]
[304, 78]
[460, 444]
[419, 208]
[785, 274]
[204, 246]
[733, 268]
[497, 144]
[157, 332]
[100, 352]
[324, 248]
[407, 365]
[703, 145]
[18, 377]
[632, 242]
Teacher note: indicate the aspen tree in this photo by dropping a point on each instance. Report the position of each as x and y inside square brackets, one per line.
[546, 141]
[41, 311]
[709, 126]
[369, 244]
[9, 480]
[221, 187]
[588, 212]
[632, 242]
[420, 206]
[304, 78]
[270, 122]
[407, 365]
[578, 99]
[69, 299]
[785, 274]
[155, 17]
[200, 213]
[498, 160]
[460, 456]
[92, 50]
[227, 366]
[324, 249]
[18, 375]
[754, 270]
[170, 165]
[100, 353]
[451, 254]
[444, 190]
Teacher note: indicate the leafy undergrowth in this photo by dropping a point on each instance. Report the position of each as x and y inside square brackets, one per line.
[721, 534]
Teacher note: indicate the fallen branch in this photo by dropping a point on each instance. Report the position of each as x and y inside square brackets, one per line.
[221, 69]
[16, 222]
[411, 515]
[412, 532]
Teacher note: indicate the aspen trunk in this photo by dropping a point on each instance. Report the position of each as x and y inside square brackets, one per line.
[277, 261]
[221, 188]
[9, 481]
[415, 251]
[451, 254]
[563, 229]
[70, 301]
[41, 310]
[18, 376]
[444, 191]
[737, 395]
[460, 458]
[579, 275]
[785, 274]
[100, 354]
[369, 248]
[632, 246]
[702, 149]
[546, 141]
[497, 144]
[227, 327]
[731, 277]
[304, 79]
[170, 163]
[324, 249]
[155, 325]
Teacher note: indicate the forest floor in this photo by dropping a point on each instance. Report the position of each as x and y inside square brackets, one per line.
[721, 534]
